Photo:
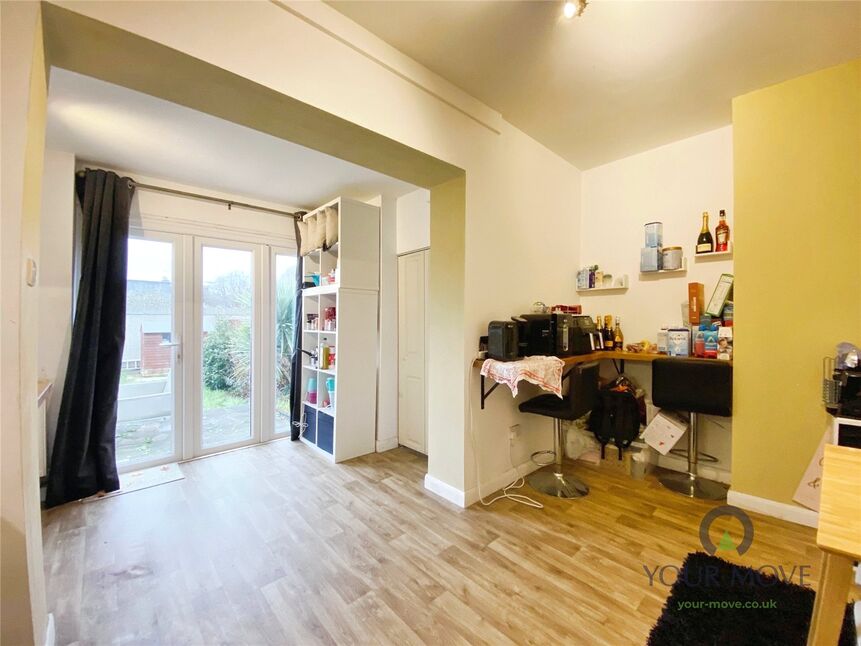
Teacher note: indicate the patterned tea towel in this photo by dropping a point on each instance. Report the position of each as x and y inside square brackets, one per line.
[545, 372]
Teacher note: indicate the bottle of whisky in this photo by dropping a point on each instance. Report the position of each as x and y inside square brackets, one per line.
[618, 337]
[608, 332]
[705, 242]
[722, 233]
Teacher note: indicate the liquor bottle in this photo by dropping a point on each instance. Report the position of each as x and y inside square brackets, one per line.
[618, 337]
[608, 332]
[599, 325]
[705, 242]
[722, 233]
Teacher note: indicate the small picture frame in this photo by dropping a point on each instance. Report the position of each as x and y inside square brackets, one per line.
[720, 295]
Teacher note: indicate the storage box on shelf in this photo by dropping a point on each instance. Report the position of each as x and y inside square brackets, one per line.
[340, 329]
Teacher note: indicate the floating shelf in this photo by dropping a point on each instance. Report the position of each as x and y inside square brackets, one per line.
[602, 289]
[715, 255]
[615, 288]
[666, 272]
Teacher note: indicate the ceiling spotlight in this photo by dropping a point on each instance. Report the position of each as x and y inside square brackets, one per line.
[574, 8]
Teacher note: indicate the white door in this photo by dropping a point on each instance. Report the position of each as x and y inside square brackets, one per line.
[149, 428]
[412, 350]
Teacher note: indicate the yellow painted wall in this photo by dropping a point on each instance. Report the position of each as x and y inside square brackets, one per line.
[797, 174]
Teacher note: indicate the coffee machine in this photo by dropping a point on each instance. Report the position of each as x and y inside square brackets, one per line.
[585, 337]
[544, 334]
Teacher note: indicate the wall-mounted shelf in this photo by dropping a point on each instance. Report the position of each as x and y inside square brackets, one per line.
[666, 272]
[715, 255]
[602, 289]
[615, 288]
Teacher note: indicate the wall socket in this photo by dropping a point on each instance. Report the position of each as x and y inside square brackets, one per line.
[513, 432]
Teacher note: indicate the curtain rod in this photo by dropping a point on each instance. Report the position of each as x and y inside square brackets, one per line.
[197, 196]
[230, 203]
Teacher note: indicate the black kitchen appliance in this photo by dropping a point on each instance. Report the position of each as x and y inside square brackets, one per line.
[544, 334]
[502, 340]
[585, 337]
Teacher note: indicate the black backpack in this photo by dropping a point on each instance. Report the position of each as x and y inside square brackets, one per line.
[616, 417]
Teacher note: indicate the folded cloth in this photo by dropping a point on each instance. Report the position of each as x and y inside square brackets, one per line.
[545, 372]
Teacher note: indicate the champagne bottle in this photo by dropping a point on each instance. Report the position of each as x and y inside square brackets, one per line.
[608, 332]
[618, 337]
[722, 233]
[705, 242]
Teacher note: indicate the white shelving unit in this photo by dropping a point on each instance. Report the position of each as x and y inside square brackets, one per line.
[343, 424]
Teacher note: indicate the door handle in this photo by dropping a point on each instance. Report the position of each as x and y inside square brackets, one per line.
[174, 344]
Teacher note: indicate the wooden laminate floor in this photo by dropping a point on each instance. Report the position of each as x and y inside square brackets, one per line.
[274, 545]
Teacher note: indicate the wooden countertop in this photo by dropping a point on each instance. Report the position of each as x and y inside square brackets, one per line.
[840, 502]
[643, 357]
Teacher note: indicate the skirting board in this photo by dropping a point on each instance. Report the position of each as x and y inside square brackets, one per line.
[387, 444]
[445, 491]
[470, 497]
[782, 510]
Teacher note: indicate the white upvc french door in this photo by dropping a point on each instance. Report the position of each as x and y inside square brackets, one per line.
[228, 335]
[207, 321]
[150, 415]
[282, 296]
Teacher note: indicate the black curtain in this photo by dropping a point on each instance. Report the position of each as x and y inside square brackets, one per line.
[296, 359]
[83, 461]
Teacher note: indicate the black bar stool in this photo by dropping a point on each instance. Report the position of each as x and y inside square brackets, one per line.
[695, 386]
[580, 399]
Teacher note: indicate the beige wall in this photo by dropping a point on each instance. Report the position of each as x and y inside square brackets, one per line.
[798, 223]
[23, 129]
[55, 278]
[522, 201]
[674, 184]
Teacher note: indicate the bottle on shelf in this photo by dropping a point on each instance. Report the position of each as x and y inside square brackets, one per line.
[608, 332]
[722, 233]
[618, 337]
[705, 242]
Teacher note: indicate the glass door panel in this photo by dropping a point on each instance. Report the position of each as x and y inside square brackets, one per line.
[227, 348]
[284, 325]
[147, 426]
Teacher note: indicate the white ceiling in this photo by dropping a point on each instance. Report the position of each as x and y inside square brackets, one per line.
[108, 124]
[626, 76]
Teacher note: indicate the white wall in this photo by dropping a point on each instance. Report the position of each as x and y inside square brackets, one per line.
[356, 76]
[674, 183]
[387, 378]
[55, 278]
[413, 213]
[23, 89]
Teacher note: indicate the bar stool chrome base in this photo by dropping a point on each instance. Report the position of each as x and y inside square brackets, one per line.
[694, 486]
[551, 479]
[558, 485]
[690, 484]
